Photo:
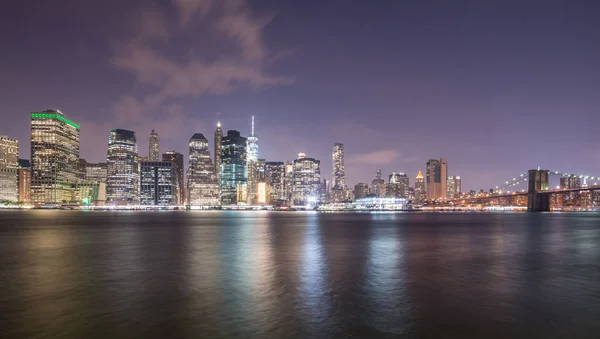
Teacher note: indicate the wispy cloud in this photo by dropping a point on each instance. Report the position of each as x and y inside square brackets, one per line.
[374, 158]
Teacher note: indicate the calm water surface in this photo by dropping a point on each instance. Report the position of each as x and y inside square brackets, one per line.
[73, 274]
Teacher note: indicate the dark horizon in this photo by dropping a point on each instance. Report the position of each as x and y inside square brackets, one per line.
[496, 88]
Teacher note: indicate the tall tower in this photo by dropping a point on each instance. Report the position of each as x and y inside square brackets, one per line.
[437, 176]
[338, 177]
[233, 168]
[123, 179]
[252, 165]
[154, 147]
[177, 160]
[203, 187]
[420, 187]
[217, 150]
[9, 169]
[54, 157]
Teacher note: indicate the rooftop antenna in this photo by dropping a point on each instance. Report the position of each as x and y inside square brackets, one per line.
[218, 119]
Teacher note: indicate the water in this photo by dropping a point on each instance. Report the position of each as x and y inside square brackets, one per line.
[74, 274]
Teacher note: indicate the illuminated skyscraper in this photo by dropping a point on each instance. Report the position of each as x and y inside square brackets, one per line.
[123, 178]
[338, 187]
[203, 187]
[307, 180]
[289, 182]
[420, 192]
[24, 181]
[252, 166]
[398, 185]
[54, 157]
[157, 183]
[233, 167]
[378, 185]
[177, 160]
[154, 147]
[453, 186]
[275, 177]
[9, 169]
[361, 190]
[217, 151]
[437, 178]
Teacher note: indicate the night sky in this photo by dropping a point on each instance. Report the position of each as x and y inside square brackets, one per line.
[496, 87]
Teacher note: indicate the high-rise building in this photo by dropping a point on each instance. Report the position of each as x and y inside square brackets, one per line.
[307, 180]
[289, 182]
[123, 178]
[275, 177]
[9, 169]
[420, 192]
[217, 150]
[338, 187]
[96, 171]
[54, 157]
[263, 195]
[252, 169]
[177, 160]
[24, 181]
[361, 190]
[398, 185]
[203, 187]
[157, 183]
[233, 167]
[571, 181]
[437, 178]
[378, 185]
[453, 187]
[154, 147]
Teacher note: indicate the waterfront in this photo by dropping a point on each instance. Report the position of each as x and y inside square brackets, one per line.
[228, 274]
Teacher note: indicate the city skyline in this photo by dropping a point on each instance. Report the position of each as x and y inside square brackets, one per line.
[309, 90]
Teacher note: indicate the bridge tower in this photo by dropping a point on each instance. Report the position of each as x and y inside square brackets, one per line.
[536, 200]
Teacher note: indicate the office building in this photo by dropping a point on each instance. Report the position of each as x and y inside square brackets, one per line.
[571, 181]
[289, 182]
[9, 169]
[233, 167]
[453, 187]
[123, 177]
[437, 179]
[263, 193]
[275, 177]
[398, 185]
[177, 160]
[420, 192]
[54, 157]
[154, 147]
[24, 181]
[203, 187]
[96, 171]
[361, 190]
[252, 169]
[378, 185]
[157, 183]
[307, 180]
[338, 186]
[218, 139]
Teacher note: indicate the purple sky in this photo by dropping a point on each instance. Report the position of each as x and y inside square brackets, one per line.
[496, 87]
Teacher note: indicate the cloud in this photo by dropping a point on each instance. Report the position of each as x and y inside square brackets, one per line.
[373, 158]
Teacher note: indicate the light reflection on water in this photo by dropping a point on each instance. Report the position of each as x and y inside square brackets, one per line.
[298, 275]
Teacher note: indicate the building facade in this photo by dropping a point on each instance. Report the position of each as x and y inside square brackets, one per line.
[233, 167]
[338, 186]
[9, 169]
[24, 181]
[420, 191]
[154, 147]
[275, 177]
[203, 187]
[157, 183]
[123, 178]
[252, 170]
[437, 171]
[453, 187]
[378, 187]
[307, 180]
[398, 185]
[361, 190]
[96, 171]
[54, 157]
[176, 159]
[218, 139]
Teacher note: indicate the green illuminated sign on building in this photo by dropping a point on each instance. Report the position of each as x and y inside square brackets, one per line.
[53, 116]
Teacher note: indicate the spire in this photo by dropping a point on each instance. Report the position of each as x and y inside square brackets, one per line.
[218, 119]
[253, 125]
[420, 175]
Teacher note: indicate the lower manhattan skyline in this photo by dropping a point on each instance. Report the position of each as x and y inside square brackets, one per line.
[509, 92]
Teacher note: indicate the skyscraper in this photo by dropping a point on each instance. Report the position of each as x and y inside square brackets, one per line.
[338, 187]
[177, 160]
[420, 192]
[453, 186]
[54, 157]
[378, 185]
[361, 190]
[275, 177]
[217, 151]
[203, 187]
[289, 181]
[24, 181]
[154, 147]
[157, 183]
[307, 180]
[123, 179]
[233, 167]
[398, 185]
[252, 166]
[437, 178]
[9, 169]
